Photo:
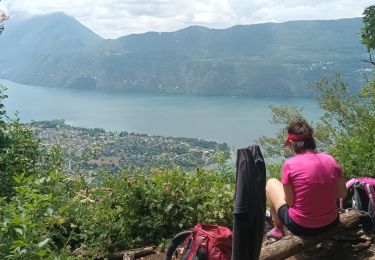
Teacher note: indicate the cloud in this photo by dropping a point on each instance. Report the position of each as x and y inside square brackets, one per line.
[315, 9]
[115, 18]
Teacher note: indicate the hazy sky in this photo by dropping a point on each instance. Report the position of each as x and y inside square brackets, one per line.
[115, 18]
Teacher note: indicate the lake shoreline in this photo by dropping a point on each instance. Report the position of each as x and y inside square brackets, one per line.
[237, 121]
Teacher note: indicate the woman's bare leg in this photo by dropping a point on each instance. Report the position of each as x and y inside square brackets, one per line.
[276, 198]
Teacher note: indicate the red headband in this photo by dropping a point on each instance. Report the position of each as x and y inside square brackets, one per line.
[293, 137]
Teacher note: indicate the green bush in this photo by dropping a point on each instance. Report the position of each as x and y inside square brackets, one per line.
[19, 151]
[346, 130]
[28, 219]
[145, 208]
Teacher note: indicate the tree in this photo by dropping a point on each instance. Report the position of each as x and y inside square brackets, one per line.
[349, 124]
[347, 128]
[19, 151]
[368, 30]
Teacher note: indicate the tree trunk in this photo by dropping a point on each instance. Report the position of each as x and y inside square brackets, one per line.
[291, 245]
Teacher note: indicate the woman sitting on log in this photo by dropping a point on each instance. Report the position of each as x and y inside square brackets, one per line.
[311, 182]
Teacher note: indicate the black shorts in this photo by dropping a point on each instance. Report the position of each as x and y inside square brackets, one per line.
[299, 230]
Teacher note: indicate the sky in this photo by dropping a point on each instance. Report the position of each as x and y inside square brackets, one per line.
[116, 18]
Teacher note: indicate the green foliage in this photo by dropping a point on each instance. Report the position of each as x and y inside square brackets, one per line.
[19, 151]
[50, 214]
[368, 91]
[346, 130]
[273, 147]
[31, 195]
[28, 218]
[274, 170]
[349, 123]
[368, 29]
[142, 208]
[342, 108]
[2, 106]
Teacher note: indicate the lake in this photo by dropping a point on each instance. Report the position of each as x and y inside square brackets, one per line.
[237, 121]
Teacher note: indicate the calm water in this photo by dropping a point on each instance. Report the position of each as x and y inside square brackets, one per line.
[237, 121]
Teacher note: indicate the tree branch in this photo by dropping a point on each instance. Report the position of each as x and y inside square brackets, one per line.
[370, 60]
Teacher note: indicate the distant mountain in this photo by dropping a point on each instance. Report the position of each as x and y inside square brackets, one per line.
[45, 50]
[264, 59]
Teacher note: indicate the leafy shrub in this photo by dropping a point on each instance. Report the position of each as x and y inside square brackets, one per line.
[142, 208]
[346, 130]
[19, 151]
[28, 218]
[349, 124]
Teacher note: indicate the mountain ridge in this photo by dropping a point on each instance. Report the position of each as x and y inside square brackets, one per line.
[269, 59]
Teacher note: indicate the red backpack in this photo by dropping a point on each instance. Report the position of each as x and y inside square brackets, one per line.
[210, 242]
[204, 242]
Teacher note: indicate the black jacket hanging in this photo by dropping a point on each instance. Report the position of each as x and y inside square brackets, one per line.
[250, 204]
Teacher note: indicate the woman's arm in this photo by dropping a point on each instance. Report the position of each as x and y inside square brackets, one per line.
[289, 194]
[342, 190]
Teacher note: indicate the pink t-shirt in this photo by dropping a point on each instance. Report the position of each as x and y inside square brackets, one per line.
[313, 176]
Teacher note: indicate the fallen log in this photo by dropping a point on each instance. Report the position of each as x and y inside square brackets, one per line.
[291, 244]
[132, 254]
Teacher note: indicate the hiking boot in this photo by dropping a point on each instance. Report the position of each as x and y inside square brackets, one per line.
[276, 232]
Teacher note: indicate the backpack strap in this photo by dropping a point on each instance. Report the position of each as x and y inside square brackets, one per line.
[199, 249]
[370, 192]
[178, 239]
[348, 185]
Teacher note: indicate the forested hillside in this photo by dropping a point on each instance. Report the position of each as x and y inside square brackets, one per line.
[264, 59]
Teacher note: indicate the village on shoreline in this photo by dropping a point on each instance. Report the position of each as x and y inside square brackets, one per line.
[85, 148]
